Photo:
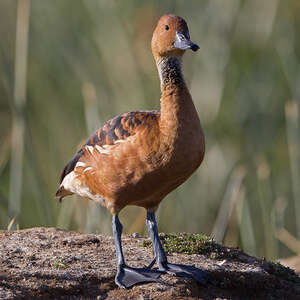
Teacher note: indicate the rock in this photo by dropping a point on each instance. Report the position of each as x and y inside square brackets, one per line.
[48, 263]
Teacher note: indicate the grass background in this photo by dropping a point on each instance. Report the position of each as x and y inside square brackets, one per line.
[82, 62]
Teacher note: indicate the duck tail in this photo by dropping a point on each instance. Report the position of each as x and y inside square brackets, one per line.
[61, 193]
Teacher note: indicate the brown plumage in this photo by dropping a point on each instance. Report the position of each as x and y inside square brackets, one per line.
[137, 158]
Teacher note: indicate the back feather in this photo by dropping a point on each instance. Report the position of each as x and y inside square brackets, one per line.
[118, 128]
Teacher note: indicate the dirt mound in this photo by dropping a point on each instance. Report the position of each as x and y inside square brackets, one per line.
[48, 263]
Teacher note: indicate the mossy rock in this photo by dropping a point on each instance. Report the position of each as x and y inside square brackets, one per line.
[188, 243]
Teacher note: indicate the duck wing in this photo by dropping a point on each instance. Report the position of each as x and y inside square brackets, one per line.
[115, 131]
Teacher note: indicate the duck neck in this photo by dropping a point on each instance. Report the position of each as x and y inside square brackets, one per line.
[178, 112]
[175, 95]
[169, 69]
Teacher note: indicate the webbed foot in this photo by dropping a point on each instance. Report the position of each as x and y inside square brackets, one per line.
[128, 276]
[185, 271]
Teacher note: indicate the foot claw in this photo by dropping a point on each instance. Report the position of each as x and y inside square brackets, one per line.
[152, 263]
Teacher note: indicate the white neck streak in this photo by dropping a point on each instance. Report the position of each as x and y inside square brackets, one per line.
[169, 69]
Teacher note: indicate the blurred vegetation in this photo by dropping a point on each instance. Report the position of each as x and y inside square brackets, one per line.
[90, 60]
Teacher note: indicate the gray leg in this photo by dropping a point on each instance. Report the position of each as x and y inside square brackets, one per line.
[161, 258]
[117, 231]
[127, 276]
[160, 254]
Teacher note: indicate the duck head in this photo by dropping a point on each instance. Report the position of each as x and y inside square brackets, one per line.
[171, 37]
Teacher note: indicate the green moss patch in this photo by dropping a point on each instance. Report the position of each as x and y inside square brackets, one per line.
[60, 265]
[188, 243]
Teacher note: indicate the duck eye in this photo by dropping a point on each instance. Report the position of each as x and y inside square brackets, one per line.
[167, 27]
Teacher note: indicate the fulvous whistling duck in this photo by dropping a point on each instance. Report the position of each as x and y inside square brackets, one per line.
[139, 157]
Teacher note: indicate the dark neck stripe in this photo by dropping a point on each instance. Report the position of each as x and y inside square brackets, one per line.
[169, 69]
